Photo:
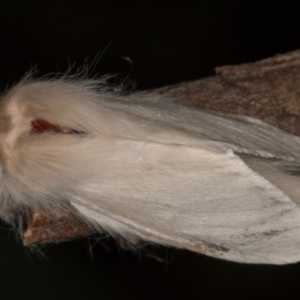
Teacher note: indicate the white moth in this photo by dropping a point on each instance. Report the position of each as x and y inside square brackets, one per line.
[142, 167]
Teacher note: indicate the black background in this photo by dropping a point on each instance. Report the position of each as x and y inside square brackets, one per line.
[168, 42]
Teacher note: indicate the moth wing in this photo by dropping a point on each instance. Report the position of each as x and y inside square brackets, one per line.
[201, 198]
[189, 188]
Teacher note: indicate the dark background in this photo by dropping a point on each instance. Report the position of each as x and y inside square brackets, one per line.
[168, 42]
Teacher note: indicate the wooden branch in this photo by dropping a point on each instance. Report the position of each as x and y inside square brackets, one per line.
[268, 90]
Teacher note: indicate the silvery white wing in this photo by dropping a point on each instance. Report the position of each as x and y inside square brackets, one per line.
[146, 168]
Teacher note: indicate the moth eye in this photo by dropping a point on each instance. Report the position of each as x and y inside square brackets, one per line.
[40, 126]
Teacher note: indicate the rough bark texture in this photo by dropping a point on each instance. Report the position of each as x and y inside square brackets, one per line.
[60, 226]
[268, 90]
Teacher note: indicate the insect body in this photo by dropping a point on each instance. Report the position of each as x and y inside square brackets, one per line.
[142, 167]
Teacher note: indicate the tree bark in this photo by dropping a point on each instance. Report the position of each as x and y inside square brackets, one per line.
[268, 90]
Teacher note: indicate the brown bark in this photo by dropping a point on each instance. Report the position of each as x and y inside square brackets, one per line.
[268, 90]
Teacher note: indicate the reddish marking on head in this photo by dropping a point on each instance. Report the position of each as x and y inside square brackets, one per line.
[41, 126]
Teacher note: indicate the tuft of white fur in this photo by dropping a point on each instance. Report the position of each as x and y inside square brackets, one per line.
[145, 167]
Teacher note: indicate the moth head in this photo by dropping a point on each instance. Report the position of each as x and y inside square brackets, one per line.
[39, 127]
[28, 109]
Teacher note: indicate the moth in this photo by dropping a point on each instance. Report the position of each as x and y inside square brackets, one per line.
[146, 168]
